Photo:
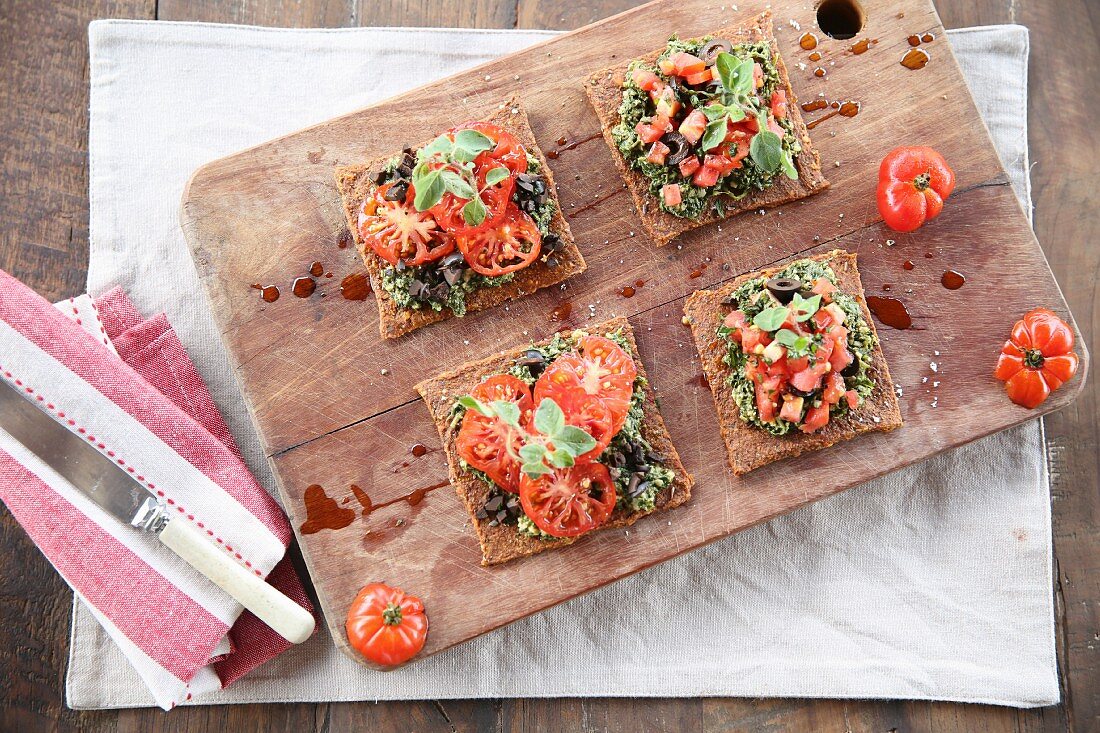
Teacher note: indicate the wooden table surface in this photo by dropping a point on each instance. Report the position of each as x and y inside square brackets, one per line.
[43, 241]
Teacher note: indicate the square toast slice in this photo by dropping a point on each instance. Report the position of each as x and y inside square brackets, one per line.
[751, 447]
[604, 90]
[355, 183]
[503, 542]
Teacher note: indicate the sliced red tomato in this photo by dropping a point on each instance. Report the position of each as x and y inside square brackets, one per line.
[487, 443]
[721, 163]
[840, 359]
[689, 165]
[853, 399]
[824, 287]
[816, 418]
[581, 409]
[569, 501]
[666, 102]
[701, 77]
[508, 151]
[792, 409]
[646, 80]
[396, 231]
[776, 127]
[693, 126]
[757, 75]
[735, 320]
[648, 133]
[657, 154]
[779, 104]
[497, 198]
[671, 194]
[511, 245]
[603, 369]
[767, 395]
[806, 380]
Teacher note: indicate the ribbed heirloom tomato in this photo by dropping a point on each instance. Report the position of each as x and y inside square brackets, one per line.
[569, 501]
[512, 244]
[913, 183]
[487, 443]
[1037, 359]
[385, 625]
[395, 230]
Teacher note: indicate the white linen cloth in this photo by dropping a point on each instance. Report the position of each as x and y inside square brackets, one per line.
[933, 582]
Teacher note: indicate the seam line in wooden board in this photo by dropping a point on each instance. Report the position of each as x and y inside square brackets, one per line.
[991, 183]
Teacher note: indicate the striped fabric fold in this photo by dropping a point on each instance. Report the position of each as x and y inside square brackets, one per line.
[126, 385]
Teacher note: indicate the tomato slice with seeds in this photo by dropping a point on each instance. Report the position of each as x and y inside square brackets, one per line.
[395, 230]
[569, 501]
[512, 245]
[487, 443]
[448, 212]
[582, 410]
[602, 368]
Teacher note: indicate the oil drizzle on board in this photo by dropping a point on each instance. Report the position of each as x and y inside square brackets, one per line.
[317, 269]
[561, 312]
[627, 291]
[815, 56]
[847, 109]
[304, 286]
[322, 512]
[419, 450]
[953, 280]
[916, 40]
[808, 41]
[915, 58]
[567, 146]
[908, 265]
[413, 498]
[860, 47]
[355, 286]
[592, 204]
[269, 293]
[890, 311]
[343, 239]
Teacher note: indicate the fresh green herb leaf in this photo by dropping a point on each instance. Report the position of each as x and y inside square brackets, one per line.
[788, 166]
[472, 403]
[441, 145]
[429, 190]
[561, 459]
[532, 452]
[715, 111]
[472, 141]
[766, 150]
[507, 411]
[535, 469]
[457, 185]
[474, 211]
[804, 308]
[496, 175]
[715, 134]
[796, 345]
[770, 318]
[574, 440]
[549, 419]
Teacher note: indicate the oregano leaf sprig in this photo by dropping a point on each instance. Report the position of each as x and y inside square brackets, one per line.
[446, 165]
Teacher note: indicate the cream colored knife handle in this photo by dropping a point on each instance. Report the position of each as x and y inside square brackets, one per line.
[287, 618]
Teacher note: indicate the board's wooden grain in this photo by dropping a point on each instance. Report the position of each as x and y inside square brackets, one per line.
[334, 402]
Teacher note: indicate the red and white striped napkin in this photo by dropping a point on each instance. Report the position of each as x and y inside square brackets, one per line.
[127, 385]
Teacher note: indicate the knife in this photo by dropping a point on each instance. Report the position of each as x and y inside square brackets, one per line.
[113, 489]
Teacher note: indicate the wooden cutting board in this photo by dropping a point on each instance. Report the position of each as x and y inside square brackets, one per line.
[334, 403]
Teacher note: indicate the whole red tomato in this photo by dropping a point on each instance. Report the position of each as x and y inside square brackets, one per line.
[1037, 359]
[913, 183]
[385, 625]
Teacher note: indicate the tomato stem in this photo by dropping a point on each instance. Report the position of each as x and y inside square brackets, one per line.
[1033, 359]
[922, 181]
[391, 615]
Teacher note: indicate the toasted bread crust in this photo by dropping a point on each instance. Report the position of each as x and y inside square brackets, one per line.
[503, 543]
[749, 446]
[604, 90]
[354, 184]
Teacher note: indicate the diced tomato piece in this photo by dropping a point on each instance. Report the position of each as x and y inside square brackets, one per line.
[767, 392]
[735, 320]
[705, 176]
[721, 163]
[816, 418]
[750, 337]
[779, 104]
[778, 368]
[747, 126]
[757, 75]
[806, 380]
[838, 335]
[797, 365]
[775, 127]
[667, 67]
[685, 64]
[834, 388]
[853, 399]
[700, 78]
[823, 319]
[823, 287]
[792, 410]
[671, 193]
[840, 359]
[657, 153]
[739, 147]
[646, 80]
[689, 165]
[693, 126]
[666, 102]
[648, 133]
[662, 122]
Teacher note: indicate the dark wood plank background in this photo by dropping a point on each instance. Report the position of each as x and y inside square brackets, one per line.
[43, 240]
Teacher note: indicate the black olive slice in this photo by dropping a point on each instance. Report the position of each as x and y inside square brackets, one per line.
[709, 52]
[397, 192]
[381, 177]
[533, 360]
[799, 393]
[678, 148]
[852, 369]
[784, 288]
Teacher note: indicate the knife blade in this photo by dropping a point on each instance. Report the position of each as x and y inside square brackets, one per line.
[124, 498]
